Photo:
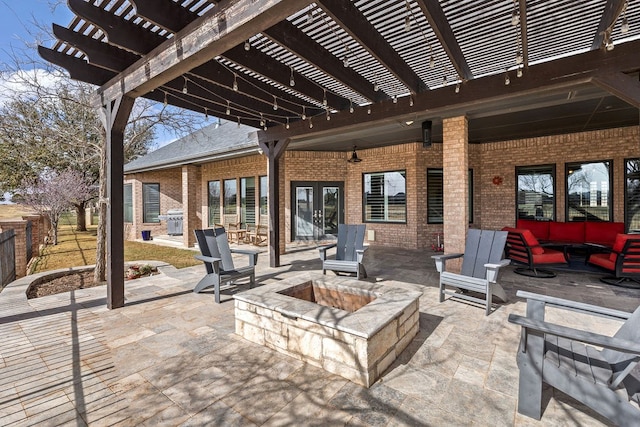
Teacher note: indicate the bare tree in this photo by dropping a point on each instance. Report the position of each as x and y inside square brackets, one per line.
[47, 122]
[53, 193]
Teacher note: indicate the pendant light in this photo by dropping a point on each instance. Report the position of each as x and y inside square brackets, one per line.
[354, 156]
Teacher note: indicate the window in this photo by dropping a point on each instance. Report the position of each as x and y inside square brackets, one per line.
[214, 203]
[264, 196]
[230, 197]
[435, 196]
[128, 202]
[248, 200]
[151, 202]
[384, 197]
[536, 192]
[588, 196]
[632, 194]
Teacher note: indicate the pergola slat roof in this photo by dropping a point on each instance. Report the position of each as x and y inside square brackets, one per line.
[386, 55]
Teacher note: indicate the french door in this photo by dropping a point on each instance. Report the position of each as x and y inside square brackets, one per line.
[318, 208]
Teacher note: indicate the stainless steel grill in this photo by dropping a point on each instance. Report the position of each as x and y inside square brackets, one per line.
[174, 222]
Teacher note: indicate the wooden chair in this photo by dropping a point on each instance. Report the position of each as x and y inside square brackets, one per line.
[623, 260]
[258, 234]
[349, 251]
[481, 263]
[216, 255]
[523, 248]
[607, 380]
[231, 223]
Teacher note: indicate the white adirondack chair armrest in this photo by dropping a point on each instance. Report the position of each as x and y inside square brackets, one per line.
[360, 253]
[575, 306]
[492, 269]
[207, 258]
[442, 259]
[253, 255]
[323, 250]
[618, 344]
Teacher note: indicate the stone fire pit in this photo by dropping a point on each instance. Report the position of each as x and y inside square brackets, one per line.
[351, 328]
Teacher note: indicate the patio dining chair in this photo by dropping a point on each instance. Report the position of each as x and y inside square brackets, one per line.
[350, 251]
[218, 261]
[481, 263]
[606, 380]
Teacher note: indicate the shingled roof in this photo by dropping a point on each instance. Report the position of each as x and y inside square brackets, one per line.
[219, 140]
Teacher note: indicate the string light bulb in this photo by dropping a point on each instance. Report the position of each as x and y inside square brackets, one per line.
[247, 46]
[514, 17]
[395, 99]
[411, 101]
[328, 116]
[444, 80]
[275, 103]
[507, 80]
[238, 121]
[165, 99]
[310, 15]
[235, 82]
[608, 43]
[369, 109]
[206, 113]
[624, 28]
[292, 81]
[185, 90]
[351, 106]
[345, 61]
[519, 58]
[262, 122]
[376, 87]
[304, 113]
[287, 125]
[458, 87]
[228, 109]
[407, 23]
[519, 72]
[432, 62]
[310, 123]
[324, 97]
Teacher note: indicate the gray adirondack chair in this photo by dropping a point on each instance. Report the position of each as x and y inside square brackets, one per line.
[607, 380]
[481, 264]
[216, 255]
[350, 251]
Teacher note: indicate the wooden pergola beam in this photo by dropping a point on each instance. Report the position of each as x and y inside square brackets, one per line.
[203, 39]
[360, 29]
[621, 85]
[612, 10]
[289, 36]
[554, 75]
[164, 13]
[442, 29]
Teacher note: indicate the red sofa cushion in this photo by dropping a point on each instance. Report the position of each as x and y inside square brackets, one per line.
[602, 233]
[602, 260]
[570, 232]
[550, 256]
[621, 239]
[540, 229]
[529, 239]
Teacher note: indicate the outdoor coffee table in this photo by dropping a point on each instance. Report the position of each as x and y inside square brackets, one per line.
[238, 235]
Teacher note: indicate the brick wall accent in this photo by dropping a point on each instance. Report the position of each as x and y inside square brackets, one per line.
[502, 158]
[170, 181]
[36, 233]
[455, 164]
[191, 198]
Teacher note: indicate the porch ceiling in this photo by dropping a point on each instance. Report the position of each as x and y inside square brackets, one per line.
[401, 59]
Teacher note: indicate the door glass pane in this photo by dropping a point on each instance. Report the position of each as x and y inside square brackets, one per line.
[304, 212]
[214, 203]
[588, 192]
[230, 197]
[632, 199]
[248, 201]
[330, 209]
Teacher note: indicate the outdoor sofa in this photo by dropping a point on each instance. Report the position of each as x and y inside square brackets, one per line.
[598, 232]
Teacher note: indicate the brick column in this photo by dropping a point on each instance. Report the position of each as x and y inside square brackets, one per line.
[192, 219]
[20, 228]
[36, 231]
[455, 165]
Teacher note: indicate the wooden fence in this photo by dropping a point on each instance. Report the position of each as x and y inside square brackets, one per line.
[7, 257]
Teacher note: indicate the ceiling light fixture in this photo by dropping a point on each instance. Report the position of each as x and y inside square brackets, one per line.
[354, 156]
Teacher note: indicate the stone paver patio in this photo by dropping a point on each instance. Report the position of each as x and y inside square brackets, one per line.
[171, 357]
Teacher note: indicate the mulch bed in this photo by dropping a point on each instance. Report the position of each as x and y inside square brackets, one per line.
[67, 282]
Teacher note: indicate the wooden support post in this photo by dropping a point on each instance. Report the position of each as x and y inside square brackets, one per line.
[114, 117]
[273, 151]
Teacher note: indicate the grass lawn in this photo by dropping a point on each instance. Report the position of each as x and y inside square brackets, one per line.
[79, 248]
[13, 211]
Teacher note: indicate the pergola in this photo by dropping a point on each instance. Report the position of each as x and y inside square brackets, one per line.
[330, 74]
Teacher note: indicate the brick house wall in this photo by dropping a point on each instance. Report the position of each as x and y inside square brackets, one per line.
[170, 181]
[494, 206]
